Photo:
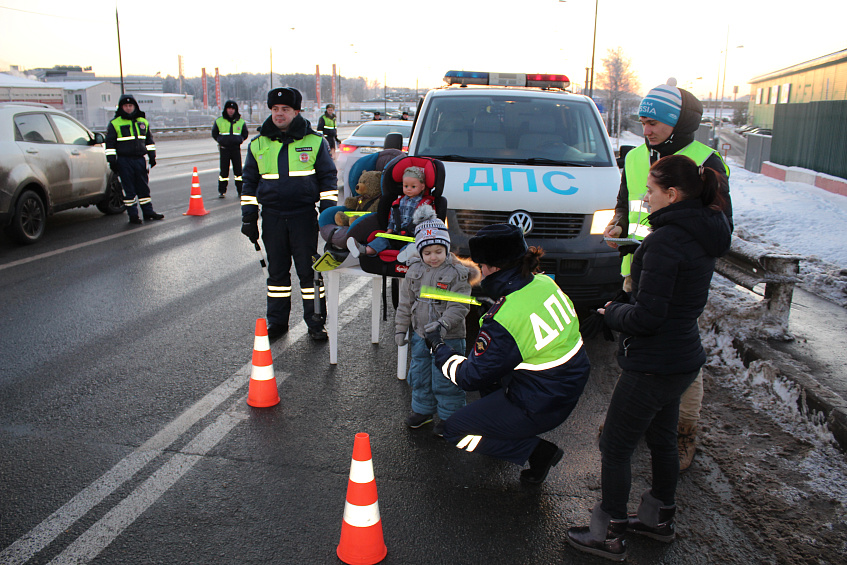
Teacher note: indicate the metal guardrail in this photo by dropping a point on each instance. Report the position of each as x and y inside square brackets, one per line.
[748, 265]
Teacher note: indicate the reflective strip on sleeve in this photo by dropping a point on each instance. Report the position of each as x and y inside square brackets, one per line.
[270, 176]
[555, 363]
[249, 200]
[450, 366]
[111, 152]
[329, 195]
[469, 443]
[151, 147]
[298, 173]
[126, 138]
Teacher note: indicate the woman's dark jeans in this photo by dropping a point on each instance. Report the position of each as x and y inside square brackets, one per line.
[642, 405]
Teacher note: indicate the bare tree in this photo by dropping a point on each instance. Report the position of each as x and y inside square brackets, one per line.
[620, 83]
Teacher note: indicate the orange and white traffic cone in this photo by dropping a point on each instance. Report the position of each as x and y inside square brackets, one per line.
[361, 531]
[195, 205]
[263, 392]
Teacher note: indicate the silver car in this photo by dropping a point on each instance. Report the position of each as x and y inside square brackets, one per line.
[365, 139]
[49, 162]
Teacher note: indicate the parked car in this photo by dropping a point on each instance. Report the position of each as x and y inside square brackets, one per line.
[49, 162]
[368, 138]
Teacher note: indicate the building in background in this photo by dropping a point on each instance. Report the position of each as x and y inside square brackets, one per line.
[18, 89]
[91, 102]
[817, 80]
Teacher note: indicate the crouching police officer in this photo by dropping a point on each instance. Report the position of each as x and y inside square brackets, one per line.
[230, 131]
[288, 170]
[528, 361]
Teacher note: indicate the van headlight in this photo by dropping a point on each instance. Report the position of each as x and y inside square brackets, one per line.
[601, 220]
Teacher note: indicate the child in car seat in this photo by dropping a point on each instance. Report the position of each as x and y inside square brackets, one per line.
[400, 220]
[435, 267]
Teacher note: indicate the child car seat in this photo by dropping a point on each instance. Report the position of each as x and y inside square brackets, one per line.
[385, 263]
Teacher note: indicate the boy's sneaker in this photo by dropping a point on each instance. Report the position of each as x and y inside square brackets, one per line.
[415, 420]
[438, 430]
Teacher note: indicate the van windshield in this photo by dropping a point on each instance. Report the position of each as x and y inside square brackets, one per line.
[508, 129]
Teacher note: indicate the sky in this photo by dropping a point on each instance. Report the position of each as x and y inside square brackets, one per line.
[408, 44]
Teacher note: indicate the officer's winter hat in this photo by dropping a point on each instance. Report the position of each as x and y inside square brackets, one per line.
[231, 104]
[430, 230]
[127, 99]
[663, 103]
[498, 245]
[288, 96]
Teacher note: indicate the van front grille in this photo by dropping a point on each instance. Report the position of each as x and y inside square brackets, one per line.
[545, 225]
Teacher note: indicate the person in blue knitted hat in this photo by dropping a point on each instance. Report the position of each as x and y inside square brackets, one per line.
[671, 117]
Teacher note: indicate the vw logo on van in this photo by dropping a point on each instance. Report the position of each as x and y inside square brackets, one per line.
[521, 219]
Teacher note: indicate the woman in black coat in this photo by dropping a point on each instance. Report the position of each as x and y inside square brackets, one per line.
[659, 352]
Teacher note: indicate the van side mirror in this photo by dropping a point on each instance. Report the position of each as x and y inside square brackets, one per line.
[622, 154]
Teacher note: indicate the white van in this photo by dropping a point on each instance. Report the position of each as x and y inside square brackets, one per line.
[520, 149]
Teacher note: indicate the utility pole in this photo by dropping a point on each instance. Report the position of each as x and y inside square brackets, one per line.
[593, 46]
[272, 69]
[120, 59]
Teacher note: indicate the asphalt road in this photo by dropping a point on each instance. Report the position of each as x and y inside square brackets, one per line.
[125, 436]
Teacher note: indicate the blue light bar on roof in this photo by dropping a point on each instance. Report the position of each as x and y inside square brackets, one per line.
[465, 77]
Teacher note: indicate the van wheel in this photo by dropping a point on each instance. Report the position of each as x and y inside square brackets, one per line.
[113, 201]
[28, 219]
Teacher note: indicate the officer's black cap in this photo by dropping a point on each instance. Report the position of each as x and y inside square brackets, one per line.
[498, 245]
[287, 96]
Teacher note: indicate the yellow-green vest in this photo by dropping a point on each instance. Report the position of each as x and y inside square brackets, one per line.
[302, 154]
[235, 128]
[543, 322]
[329, 123]
[134, 131]
[636, 169]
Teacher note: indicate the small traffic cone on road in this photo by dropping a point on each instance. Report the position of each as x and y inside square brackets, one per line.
[263, 392]
[195, 205]
[361, 530]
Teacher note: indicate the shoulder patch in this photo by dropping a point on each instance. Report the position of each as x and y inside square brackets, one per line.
[494, 308]
[483, 340]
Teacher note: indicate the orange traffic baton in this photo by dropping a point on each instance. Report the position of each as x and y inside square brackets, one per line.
[361, 530]
[195, 205]
[263, 392]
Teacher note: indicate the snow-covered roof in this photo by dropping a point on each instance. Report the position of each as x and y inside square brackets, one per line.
[7, 80]
[77, 84]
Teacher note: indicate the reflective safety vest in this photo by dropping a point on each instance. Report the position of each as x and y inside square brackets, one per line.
[133, 135]
[637, 169]
[329, 124]
[543, 322]
[234, 128]
[302, 154]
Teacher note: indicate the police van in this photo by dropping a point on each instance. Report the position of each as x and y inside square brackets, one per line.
[519, 148]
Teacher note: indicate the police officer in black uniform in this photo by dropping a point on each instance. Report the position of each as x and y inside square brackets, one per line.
[230, 131]
[288, 170]
[128, 140]
[327, 126]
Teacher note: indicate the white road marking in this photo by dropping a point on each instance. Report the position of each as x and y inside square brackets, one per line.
[102, 533]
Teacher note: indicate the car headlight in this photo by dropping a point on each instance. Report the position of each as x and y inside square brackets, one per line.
[601, 220]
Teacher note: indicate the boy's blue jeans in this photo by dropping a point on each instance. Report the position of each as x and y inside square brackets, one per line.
[431, 390]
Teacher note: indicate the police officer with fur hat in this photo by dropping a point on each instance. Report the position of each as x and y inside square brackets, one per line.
[288, 170]
[230, 131]
[128, 140]
[528, 361]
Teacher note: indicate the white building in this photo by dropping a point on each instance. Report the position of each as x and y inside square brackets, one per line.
[17, 89]
[91, 102]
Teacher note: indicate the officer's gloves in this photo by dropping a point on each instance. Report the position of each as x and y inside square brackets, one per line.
[152, 162]
[251, 230]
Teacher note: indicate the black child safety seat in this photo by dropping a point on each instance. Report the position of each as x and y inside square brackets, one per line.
[385, 263]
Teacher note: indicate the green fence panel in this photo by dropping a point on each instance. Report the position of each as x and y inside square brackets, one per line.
[812, 136]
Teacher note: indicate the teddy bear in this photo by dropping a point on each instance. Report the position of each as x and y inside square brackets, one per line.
[369, 190]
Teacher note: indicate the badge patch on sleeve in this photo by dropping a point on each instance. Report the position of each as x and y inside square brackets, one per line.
[483, 340]
[441, 285]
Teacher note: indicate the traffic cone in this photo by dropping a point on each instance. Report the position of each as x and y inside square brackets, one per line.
[361, 531]
[195, 204]
[263, 392]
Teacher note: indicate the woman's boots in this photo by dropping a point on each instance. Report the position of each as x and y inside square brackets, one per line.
[653, 519]
[604, 537]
